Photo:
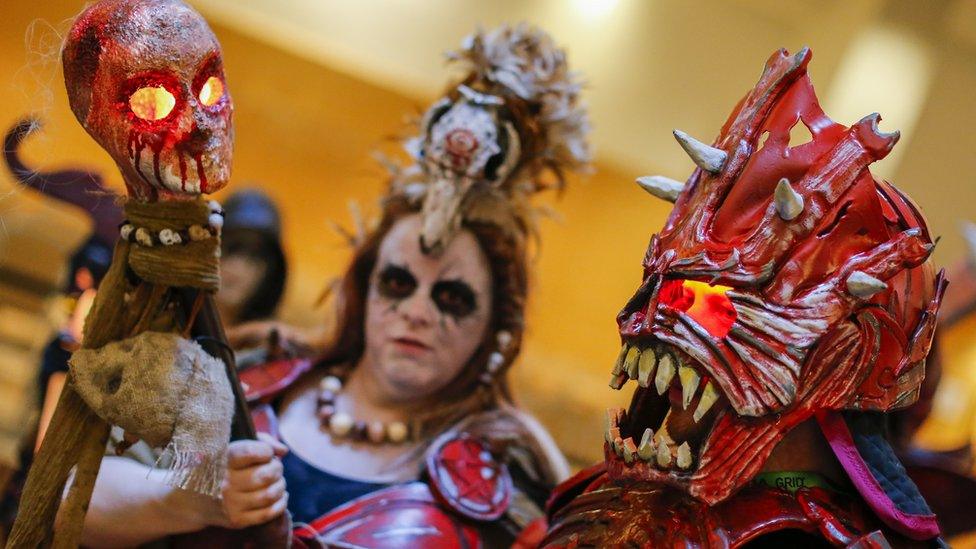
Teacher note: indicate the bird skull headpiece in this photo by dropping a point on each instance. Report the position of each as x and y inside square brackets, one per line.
[485, 145]
[146, 80]
[787, 284]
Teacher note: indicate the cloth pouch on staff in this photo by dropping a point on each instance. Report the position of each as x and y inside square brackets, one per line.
[167, 391]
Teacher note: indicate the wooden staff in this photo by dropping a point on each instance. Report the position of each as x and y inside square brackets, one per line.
[77, 436]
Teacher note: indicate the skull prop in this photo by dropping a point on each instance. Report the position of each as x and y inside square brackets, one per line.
[787, 284]
[146, 80]
[472, 140]
[516, 115]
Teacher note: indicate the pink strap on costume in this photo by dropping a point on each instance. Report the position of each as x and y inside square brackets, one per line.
[916, 527]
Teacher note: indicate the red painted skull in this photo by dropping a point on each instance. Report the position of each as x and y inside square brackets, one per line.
[786, 283]
[145, 79]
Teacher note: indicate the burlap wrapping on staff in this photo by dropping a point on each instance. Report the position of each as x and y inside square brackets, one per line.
[134, 369]
[170, 393]
[193, 264]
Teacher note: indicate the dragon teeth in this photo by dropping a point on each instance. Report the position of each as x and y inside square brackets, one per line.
[663, 454]
[646, 449]
[612, 423]
[645, 367]
[684, 456]
[617, 381]
[618, 446]
[689, 384]
[630, 362]
[708, 398]
[665, 373]
[663, 433]
[618, 365]
[630, 450]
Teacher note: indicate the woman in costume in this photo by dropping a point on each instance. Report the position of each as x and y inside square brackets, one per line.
[404, 430]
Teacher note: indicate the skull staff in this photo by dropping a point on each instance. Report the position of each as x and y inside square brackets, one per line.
[145, 79]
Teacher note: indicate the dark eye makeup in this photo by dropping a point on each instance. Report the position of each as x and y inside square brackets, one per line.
[454, 297]
[396, 282]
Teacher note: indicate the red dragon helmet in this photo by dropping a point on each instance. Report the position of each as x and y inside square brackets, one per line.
[787, 284]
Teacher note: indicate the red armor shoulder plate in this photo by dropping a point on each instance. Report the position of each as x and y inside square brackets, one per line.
[403, 516]
[466, 477]
[262, 383]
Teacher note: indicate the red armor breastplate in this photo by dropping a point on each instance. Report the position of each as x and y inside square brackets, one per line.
[464, 486]
[404, 516]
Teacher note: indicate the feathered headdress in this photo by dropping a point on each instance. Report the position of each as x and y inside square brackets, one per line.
[510, 128]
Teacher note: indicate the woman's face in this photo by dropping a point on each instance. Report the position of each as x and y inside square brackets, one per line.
[425, 316]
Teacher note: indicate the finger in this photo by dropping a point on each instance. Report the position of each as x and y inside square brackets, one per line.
[259, 499]
[254, 478]
[279, 447]
[242, 454]
[261, 516]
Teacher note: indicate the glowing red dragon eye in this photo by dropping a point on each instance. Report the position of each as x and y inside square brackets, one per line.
[705, 304]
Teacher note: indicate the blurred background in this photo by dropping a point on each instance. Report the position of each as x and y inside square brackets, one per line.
[319, 84]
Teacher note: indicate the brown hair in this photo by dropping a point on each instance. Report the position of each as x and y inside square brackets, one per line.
[467, 393]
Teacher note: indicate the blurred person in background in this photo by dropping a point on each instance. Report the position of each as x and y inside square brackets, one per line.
[85, 269]
[87, 265]
[253, 270]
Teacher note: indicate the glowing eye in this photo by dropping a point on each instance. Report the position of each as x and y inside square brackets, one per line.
[152, 103]
[707, 305]
[211, 91]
